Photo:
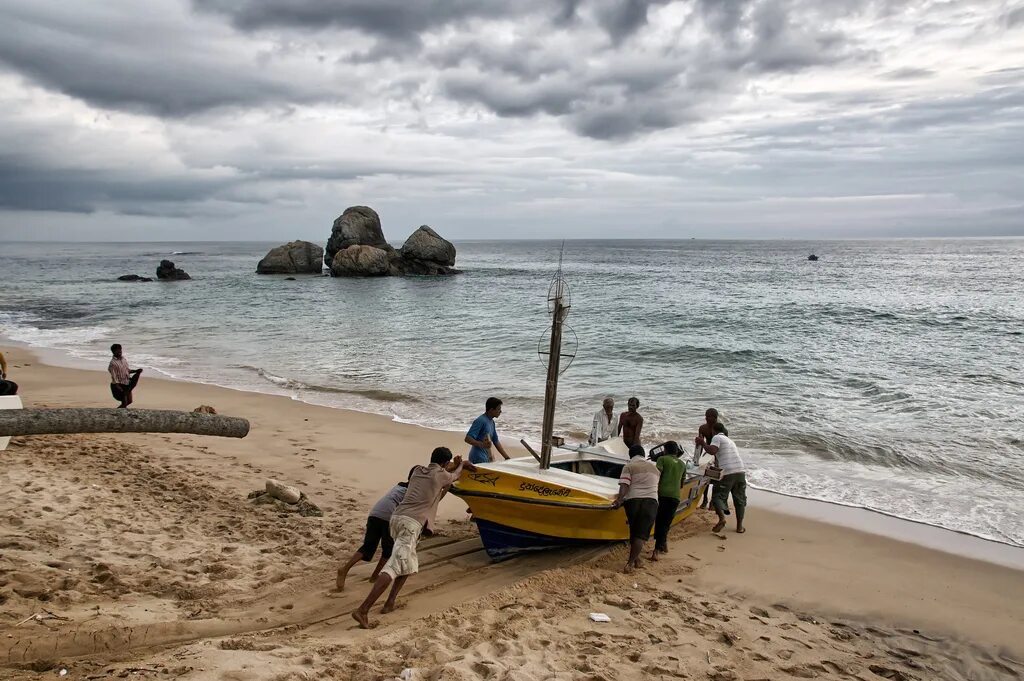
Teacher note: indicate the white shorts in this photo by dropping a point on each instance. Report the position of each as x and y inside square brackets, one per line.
[406, 533]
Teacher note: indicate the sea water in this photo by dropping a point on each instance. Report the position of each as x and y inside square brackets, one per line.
[885, 375]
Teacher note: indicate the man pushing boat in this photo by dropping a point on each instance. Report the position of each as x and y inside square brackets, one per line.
[413, 516]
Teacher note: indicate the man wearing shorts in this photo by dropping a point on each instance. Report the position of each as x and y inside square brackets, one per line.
[734, 477]
[638, 492]
[427, 484]
[377, 532]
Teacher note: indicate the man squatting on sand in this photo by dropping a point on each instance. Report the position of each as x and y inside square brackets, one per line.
[734, 477]
[377, 532]
[413, 516]
[6, 387]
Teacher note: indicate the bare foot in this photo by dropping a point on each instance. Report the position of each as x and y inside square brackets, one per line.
[629, 569]
[360, 617]
[654, 556]
[388, 607]
[638, 563]
[740, 530]
[340, 582]
[718, 526]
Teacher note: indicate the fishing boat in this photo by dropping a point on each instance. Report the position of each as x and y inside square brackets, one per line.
[561, 496]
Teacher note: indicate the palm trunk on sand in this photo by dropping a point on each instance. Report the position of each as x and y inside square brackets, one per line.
[68, 421]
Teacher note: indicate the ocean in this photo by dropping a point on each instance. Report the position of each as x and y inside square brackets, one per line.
[886, 375]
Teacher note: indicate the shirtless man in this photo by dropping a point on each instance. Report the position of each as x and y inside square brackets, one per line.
[630, 423]
[707, 431]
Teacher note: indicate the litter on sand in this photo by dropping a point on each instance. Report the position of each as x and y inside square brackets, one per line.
[600, 617]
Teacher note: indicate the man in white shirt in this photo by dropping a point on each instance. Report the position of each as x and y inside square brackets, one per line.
[604, 425]
[638, 492]
[734, 476]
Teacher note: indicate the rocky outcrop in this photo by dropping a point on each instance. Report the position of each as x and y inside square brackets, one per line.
[168, 272]
[362, 261]
[357, 226]
[295, 257]
[133, 277]
[427, 245]
[357, 248]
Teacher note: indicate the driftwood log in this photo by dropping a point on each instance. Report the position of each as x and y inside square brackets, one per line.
[70, 421]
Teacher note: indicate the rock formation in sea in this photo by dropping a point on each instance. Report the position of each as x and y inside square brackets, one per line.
[357, 248]
[133, 277]
[357, 226]
[295, 257]
[360, 260]
[168, 272]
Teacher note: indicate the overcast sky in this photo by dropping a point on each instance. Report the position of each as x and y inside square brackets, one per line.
[265, 119]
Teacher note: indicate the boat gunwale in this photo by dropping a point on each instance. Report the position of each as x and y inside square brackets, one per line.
[459, 492]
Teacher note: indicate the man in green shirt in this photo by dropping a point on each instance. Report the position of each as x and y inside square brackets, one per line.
[673, 470]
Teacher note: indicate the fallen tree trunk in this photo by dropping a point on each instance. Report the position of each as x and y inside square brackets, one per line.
[69, 421]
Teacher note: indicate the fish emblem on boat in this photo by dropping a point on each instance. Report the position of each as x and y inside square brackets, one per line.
[485, 479]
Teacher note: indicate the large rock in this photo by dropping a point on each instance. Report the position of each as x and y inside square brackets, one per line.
[295, 257]
[362, 261]
[133, 277]
[168, 272]
[426, 244]
[357, 226]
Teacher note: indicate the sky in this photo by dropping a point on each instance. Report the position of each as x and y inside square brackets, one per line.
[264, 119]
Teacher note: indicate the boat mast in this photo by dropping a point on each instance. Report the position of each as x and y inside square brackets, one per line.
[559, 309]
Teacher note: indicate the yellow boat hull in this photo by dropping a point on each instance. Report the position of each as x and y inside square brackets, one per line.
[518, 512]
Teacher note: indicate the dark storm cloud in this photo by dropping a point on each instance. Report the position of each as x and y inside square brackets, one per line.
[200, 107]
[393, 19]
[85, 191]
[908, 73]
[633, 91]
[123, 63]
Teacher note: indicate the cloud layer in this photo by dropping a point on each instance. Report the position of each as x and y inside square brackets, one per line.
[266, 118]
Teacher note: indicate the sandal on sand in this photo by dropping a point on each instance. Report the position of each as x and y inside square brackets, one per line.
[741, 530]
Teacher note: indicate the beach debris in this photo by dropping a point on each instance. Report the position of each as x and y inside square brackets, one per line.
[287, 499]
[73, 421]
[204, 409]
[43, 616]
[62, 672]
[285, 493]
[599, 617]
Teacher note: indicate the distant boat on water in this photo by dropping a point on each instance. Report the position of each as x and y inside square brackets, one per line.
[812, 257]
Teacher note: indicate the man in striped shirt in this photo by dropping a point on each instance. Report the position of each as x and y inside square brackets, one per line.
[122, 379]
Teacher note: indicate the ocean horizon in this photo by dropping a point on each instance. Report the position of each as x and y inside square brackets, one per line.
[884, 376]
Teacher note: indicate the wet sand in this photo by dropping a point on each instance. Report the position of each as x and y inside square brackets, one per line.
[139, 556]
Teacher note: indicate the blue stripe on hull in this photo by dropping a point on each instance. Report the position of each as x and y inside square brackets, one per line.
[502, 541]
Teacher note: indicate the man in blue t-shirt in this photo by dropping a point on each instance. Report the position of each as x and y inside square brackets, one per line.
[482, 434]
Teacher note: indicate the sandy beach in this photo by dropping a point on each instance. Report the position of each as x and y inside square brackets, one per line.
[140, 556]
